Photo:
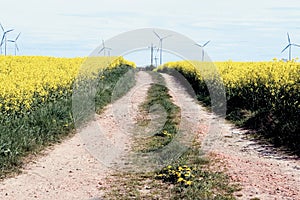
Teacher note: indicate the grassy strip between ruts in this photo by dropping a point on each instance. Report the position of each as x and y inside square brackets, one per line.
[159, 101]
[51, 121]
[184, 178]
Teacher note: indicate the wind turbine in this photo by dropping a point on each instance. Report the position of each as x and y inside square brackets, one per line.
[104, 48]
[290, 47]
[202, 46]
[160, 42]
[15, 41]
[151, 53]
[4, 38]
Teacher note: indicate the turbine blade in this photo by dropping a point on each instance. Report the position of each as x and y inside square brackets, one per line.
[289, 40]
[16, 46]
[101, 50]
[205, 43]
[286, 48]
[166, 37]
[17, 36]
[9, 31]
[199, 45]
[2, 27]
[156, 34]
[297, 45]
[2, 39]
[10, 41]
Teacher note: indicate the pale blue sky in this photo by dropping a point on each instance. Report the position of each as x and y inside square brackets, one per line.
[238, 30]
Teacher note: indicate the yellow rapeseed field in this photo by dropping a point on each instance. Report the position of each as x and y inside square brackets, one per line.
[25, 78]
[261, 95]
[279, 79]
[36, 99]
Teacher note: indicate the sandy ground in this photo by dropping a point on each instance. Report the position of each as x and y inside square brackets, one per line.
[77, 168]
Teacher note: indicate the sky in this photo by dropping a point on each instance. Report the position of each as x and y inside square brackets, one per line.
[238, 30]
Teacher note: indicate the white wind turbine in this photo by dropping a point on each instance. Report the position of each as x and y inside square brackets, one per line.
[4, 38]
[15, 41]
[290, 47]
[160, 42]
[151, 53]
[104, 49]
[202, 46]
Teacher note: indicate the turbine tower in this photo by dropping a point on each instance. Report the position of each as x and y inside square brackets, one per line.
[151, 53]
[155, 58]
[202, 46]
[4, 38]
[15, 41]
[104, 49]
[290, 47]
[160, 42]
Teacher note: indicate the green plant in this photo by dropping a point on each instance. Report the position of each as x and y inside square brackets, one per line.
[158, 95]
[179, 174]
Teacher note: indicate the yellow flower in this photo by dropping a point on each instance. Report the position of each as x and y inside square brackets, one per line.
[180, 180]
[188, 183]
[25, 79]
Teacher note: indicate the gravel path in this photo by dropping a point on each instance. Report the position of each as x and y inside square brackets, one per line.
[262, 170]
[75, 169]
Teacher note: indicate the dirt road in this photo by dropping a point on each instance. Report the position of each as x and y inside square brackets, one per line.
[76, 168]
